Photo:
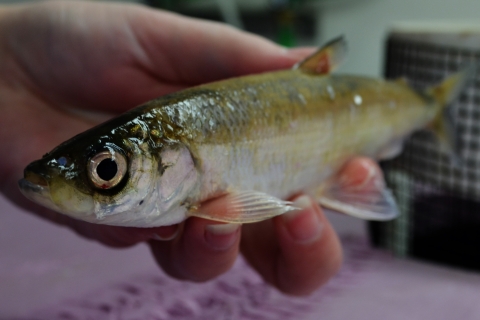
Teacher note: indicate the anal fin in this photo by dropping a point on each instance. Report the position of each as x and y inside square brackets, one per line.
[369, 201]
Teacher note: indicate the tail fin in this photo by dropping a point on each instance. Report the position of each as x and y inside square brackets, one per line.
[444, 94]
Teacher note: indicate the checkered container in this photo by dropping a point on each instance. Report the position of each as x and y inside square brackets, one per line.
[439, 198]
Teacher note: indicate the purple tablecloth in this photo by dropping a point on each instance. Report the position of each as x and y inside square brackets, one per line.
[47, 272]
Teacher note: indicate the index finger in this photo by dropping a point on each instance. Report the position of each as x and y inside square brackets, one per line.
[196, 51]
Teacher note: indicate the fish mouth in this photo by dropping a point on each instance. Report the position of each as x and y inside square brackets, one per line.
[36, 189]
[35, 178]
[28, 186]
[33, 182]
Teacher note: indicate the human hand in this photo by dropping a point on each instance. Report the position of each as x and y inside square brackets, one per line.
[296, 252]
[56, 57]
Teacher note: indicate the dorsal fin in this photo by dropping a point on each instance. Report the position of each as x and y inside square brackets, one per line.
[325, 59]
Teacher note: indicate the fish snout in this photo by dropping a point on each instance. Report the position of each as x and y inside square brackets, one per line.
[35, 174]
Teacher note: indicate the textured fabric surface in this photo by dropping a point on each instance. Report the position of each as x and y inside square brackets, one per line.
[47, 272]
[239, 294]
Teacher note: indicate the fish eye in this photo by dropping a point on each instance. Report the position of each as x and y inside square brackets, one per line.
[106, 169]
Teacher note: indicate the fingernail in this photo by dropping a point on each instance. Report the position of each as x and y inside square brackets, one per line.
[166, 236]
[303, 225]
[221, 236]
[299, 53]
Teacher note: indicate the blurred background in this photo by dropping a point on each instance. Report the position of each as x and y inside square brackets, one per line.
[365, 23]
[44, 267]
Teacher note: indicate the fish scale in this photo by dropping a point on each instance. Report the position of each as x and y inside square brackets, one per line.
[280, 146]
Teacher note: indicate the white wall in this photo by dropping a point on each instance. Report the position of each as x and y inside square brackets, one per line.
[366, 22]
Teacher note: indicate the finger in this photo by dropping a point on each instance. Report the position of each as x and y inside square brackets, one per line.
[155, 53]
[301, 53]
[310, 252]
[297, 252]
[361, 173]
[364, 177]
[203, 250]
[196, 51]
[123, 236]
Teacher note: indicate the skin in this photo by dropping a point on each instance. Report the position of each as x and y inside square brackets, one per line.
[55, 56]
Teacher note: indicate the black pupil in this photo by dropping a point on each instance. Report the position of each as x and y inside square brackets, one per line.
[107, 169]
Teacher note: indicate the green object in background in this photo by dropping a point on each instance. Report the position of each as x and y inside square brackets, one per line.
[286, 20]
[286, 28]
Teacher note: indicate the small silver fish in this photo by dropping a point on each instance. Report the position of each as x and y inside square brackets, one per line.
[256, 139]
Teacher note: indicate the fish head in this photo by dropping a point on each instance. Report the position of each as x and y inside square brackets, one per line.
[110, 177]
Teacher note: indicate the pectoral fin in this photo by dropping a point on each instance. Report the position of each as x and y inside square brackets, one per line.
[369, 202]
[244, 207]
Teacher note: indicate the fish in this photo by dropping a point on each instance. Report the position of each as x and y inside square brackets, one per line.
[255, 139]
